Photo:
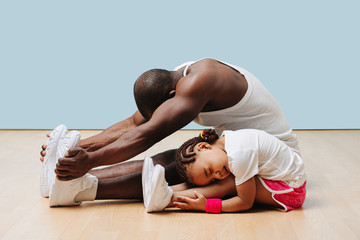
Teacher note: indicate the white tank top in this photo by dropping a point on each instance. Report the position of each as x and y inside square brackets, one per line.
[258, 109]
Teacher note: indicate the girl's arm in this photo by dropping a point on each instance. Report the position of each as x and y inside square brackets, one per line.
[244, 200]
[216, 189]
[181, 187]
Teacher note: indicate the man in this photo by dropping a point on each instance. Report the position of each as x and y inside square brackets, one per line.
[208, 91]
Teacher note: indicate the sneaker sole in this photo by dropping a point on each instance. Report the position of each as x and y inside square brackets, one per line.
[148, 167]
[58, 186]
[55, 136]
[158, 172]
[72, 139]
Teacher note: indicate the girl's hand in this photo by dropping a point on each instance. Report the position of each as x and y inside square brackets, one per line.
[186, 203]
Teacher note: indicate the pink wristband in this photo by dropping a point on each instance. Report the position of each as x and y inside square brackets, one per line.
[213, 205]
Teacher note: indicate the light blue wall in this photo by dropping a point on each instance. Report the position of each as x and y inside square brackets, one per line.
[75, 62]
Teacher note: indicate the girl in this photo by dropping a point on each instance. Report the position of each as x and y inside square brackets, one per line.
[263, 168]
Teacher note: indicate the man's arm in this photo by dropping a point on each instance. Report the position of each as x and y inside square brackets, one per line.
[169, 117]
[107, 136]
[112, 133]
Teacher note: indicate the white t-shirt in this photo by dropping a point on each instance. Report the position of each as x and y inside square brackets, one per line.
[254, 152]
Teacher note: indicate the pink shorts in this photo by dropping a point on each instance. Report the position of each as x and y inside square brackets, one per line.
[289, 198]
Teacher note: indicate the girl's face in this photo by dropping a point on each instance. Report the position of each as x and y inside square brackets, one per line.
[211, 163]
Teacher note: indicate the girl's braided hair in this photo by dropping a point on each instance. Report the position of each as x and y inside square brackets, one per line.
[186, 155]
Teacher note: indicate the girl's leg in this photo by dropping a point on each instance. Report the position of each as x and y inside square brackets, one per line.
[263, 196]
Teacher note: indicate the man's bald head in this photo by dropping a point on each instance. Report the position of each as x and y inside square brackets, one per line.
[151, 89]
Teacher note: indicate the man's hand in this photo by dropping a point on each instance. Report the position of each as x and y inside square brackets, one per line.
[75, 163]
[186, 203]
[43, 150]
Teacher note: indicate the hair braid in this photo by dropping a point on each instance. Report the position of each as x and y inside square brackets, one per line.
[186, 155]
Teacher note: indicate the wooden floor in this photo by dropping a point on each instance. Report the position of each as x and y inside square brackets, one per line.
[331, 211]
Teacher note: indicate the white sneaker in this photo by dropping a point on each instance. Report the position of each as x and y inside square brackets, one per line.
[47, 165]
[71, 140]
[63, 193]
[157, 193]
[147, 172]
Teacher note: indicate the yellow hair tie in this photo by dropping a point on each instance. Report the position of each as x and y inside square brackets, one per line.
[201, 135]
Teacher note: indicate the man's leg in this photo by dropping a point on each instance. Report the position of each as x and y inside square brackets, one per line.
[123, 187]
[123, 181]
[165, 159]
[130, 187]
[127, 186]
[118, 170]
